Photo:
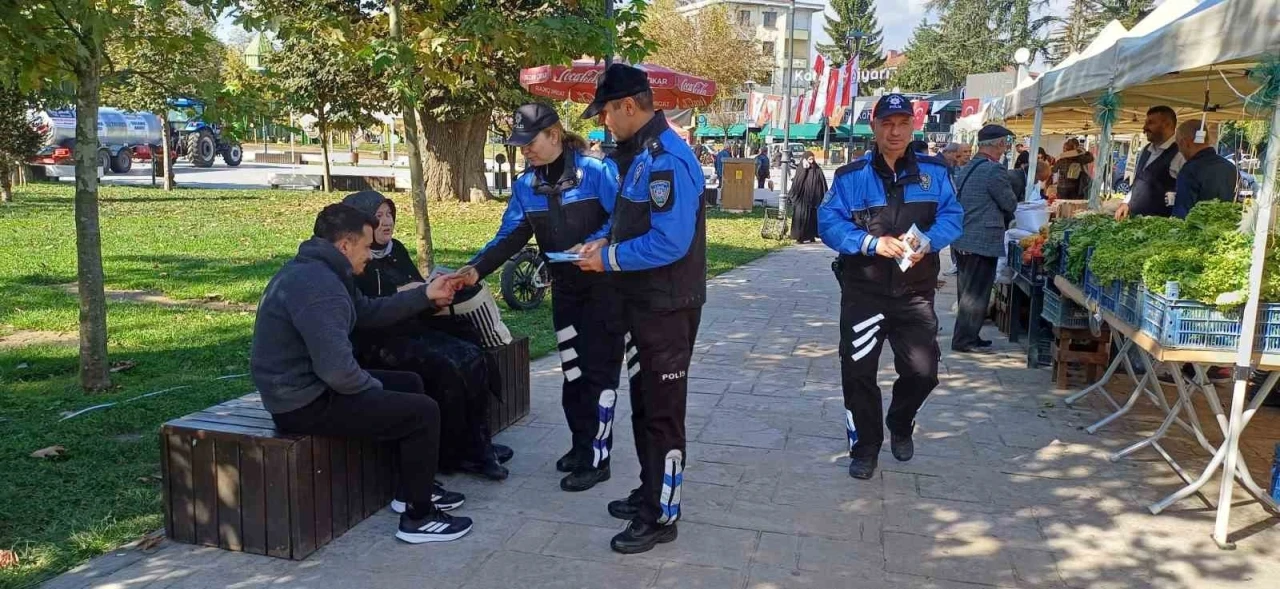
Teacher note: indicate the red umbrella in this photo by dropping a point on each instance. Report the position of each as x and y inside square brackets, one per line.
[577, 82]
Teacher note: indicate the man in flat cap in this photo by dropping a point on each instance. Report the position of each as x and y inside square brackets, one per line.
[888, 214]
[656, 254]
[986, 195]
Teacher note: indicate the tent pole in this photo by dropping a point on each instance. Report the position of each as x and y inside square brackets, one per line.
[1033, 158]
[1249, 322]
[1099, 170]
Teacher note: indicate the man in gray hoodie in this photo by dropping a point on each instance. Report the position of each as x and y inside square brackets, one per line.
[303, 366]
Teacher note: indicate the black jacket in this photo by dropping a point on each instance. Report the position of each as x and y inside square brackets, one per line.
[1151, 182]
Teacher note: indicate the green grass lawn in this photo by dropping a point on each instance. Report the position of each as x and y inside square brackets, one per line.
[187, 244]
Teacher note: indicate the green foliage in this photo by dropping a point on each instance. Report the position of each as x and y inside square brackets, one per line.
[1087, 18]
[167, 53]
[850, 16]
[18, 138]
[1120, 252]
[970, 37]
[1080, 233]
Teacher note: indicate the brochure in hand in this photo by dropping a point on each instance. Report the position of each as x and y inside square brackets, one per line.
[563, 256]
[921, 243]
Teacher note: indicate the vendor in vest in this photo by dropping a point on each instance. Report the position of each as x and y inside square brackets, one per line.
[1158, 166]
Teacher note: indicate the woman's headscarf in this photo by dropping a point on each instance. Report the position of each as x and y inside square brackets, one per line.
[367, 202]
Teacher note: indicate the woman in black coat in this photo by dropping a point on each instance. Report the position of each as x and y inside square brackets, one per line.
[806, 193]
[444, 351]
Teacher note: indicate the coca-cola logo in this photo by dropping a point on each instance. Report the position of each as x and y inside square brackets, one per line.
[571, 76]
[695, 87]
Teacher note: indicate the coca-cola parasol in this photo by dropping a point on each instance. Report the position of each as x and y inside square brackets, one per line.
[577, 82]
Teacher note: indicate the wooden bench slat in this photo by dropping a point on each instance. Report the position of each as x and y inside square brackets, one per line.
[166, 497]
[184, 523]
[302, 507]
[355, 499]
[369, 472]
[202, 429]
[338, 484]
[253, 422]
[241, 411]
[253, 499]
[227, 455]
[205, 481]
[324, 499]
[276, 467]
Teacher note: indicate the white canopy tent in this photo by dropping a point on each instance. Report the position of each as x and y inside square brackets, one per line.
[1194, 57]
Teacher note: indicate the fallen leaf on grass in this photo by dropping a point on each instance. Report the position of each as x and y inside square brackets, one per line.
[23, 366]
[151, 540]
[50, 452]
[8, 558]
[122, 365]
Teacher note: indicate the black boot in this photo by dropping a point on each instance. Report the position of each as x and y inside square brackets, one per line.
[642, 537]
[584, 478]
[504, 453]
[627, 508]
[487, 468]
[862, 468]
[902, 447]
[569, 462]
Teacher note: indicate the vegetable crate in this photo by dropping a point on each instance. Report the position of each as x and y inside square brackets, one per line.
[1061, 268]
[1129, 303]
[1032, 272]
[1092, 290]
[1063, 312]
[1177, 323]
[1110, 295]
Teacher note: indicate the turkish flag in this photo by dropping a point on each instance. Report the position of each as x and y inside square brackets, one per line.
[920, 110]
[969, 106]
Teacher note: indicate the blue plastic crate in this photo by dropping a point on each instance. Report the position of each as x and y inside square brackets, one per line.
[1109, 297]
[1015, 257]
[1063, 312]
[1269, 327]
[1187, 324]
[1061, 270]
[1129, 305]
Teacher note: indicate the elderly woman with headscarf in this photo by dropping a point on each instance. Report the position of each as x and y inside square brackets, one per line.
[443, 350]
[806, 193]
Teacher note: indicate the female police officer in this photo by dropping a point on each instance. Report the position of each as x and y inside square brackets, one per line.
[564, 199]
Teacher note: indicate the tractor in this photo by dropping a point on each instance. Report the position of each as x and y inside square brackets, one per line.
[197, 140]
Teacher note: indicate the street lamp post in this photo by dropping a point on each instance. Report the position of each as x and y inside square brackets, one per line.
[854, 37]
[786, 108]
[746, 119]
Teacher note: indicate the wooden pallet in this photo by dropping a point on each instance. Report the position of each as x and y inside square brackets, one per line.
[1079, 347]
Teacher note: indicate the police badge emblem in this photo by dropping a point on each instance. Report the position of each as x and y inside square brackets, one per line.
[925, 181]
[659, 192]
[635, 177]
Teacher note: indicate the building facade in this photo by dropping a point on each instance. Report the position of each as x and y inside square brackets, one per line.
[765, 22]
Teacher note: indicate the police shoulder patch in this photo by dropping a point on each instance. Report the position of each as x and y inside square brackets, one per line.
[662, 190]
[925, 181]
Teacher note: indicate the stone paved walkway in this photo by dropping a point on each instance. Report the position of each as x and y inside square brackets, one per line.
[1005, 489]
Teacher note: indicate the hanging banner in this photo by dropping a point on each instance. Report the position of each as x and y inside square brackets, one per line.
[939, 105]
[970, 106]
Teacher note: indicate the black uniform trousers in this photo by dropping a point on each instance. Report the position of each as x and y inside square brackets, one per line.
[400, 412]
[659, 349]
[589, 334]
[909, 324]
[977, 276]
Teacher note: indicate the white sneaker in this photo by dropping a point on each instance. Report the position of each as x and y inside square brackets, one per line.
[444, 500]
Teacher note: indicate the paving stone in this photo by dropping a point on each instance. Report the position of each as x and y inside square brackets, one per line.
[504, 570]
[686, 576]
[825, 555]
[740, 429]
[777, 550]
[976, 559]
[767, 577]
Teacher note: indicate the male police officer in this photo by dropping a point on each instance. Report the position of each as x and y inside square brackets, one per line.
[656, 253]
[866, 217]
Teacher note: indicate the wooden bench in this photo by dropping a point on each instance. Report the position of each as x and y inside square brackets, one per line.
[232, 481]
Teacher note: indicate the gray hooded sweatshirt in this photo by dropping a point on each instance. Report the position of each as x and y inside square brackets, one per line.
[301, 338]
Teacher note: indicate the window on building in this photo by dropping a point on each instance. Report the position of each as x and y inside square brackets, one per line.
[766, 79]
[767, 48]
[744, 18]
[802, 21]
[770, 20]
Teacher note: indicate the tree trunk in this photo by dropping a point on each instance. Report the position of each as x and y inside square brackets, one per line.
[417, 187]
[418, 195]
[326, 141]
[6, 182]
[94, 374]
[164, 152]
[453, 158]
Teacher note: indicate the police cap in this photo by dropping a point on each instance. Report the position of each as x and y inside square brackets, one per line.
[892, 104]
[618, 81]
[529, 120]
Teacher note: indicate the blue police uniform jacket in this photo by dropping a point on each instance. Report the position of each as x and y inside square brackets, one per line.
[559, 212]
[658, 251]
[867, 200]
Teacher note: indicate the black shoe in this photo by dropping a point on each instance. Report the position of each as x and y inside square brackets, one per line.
[971, 350]
[489, 469]
[584, 479]
[436, 526]
[445, 500]
[902, 447]
[503, 453]
[569, 462]
[862, 468]
[642, 537]
[627, 508]
[985, 343]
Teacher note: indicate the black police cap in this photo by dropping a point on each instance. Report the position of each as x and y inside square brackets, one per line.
[529, 120]
[619, 81]
[892, 104]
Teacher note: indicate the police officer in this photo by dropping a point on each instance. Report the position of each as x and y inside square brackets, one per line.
[564, 199]
[656, 253]
[866, 217]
